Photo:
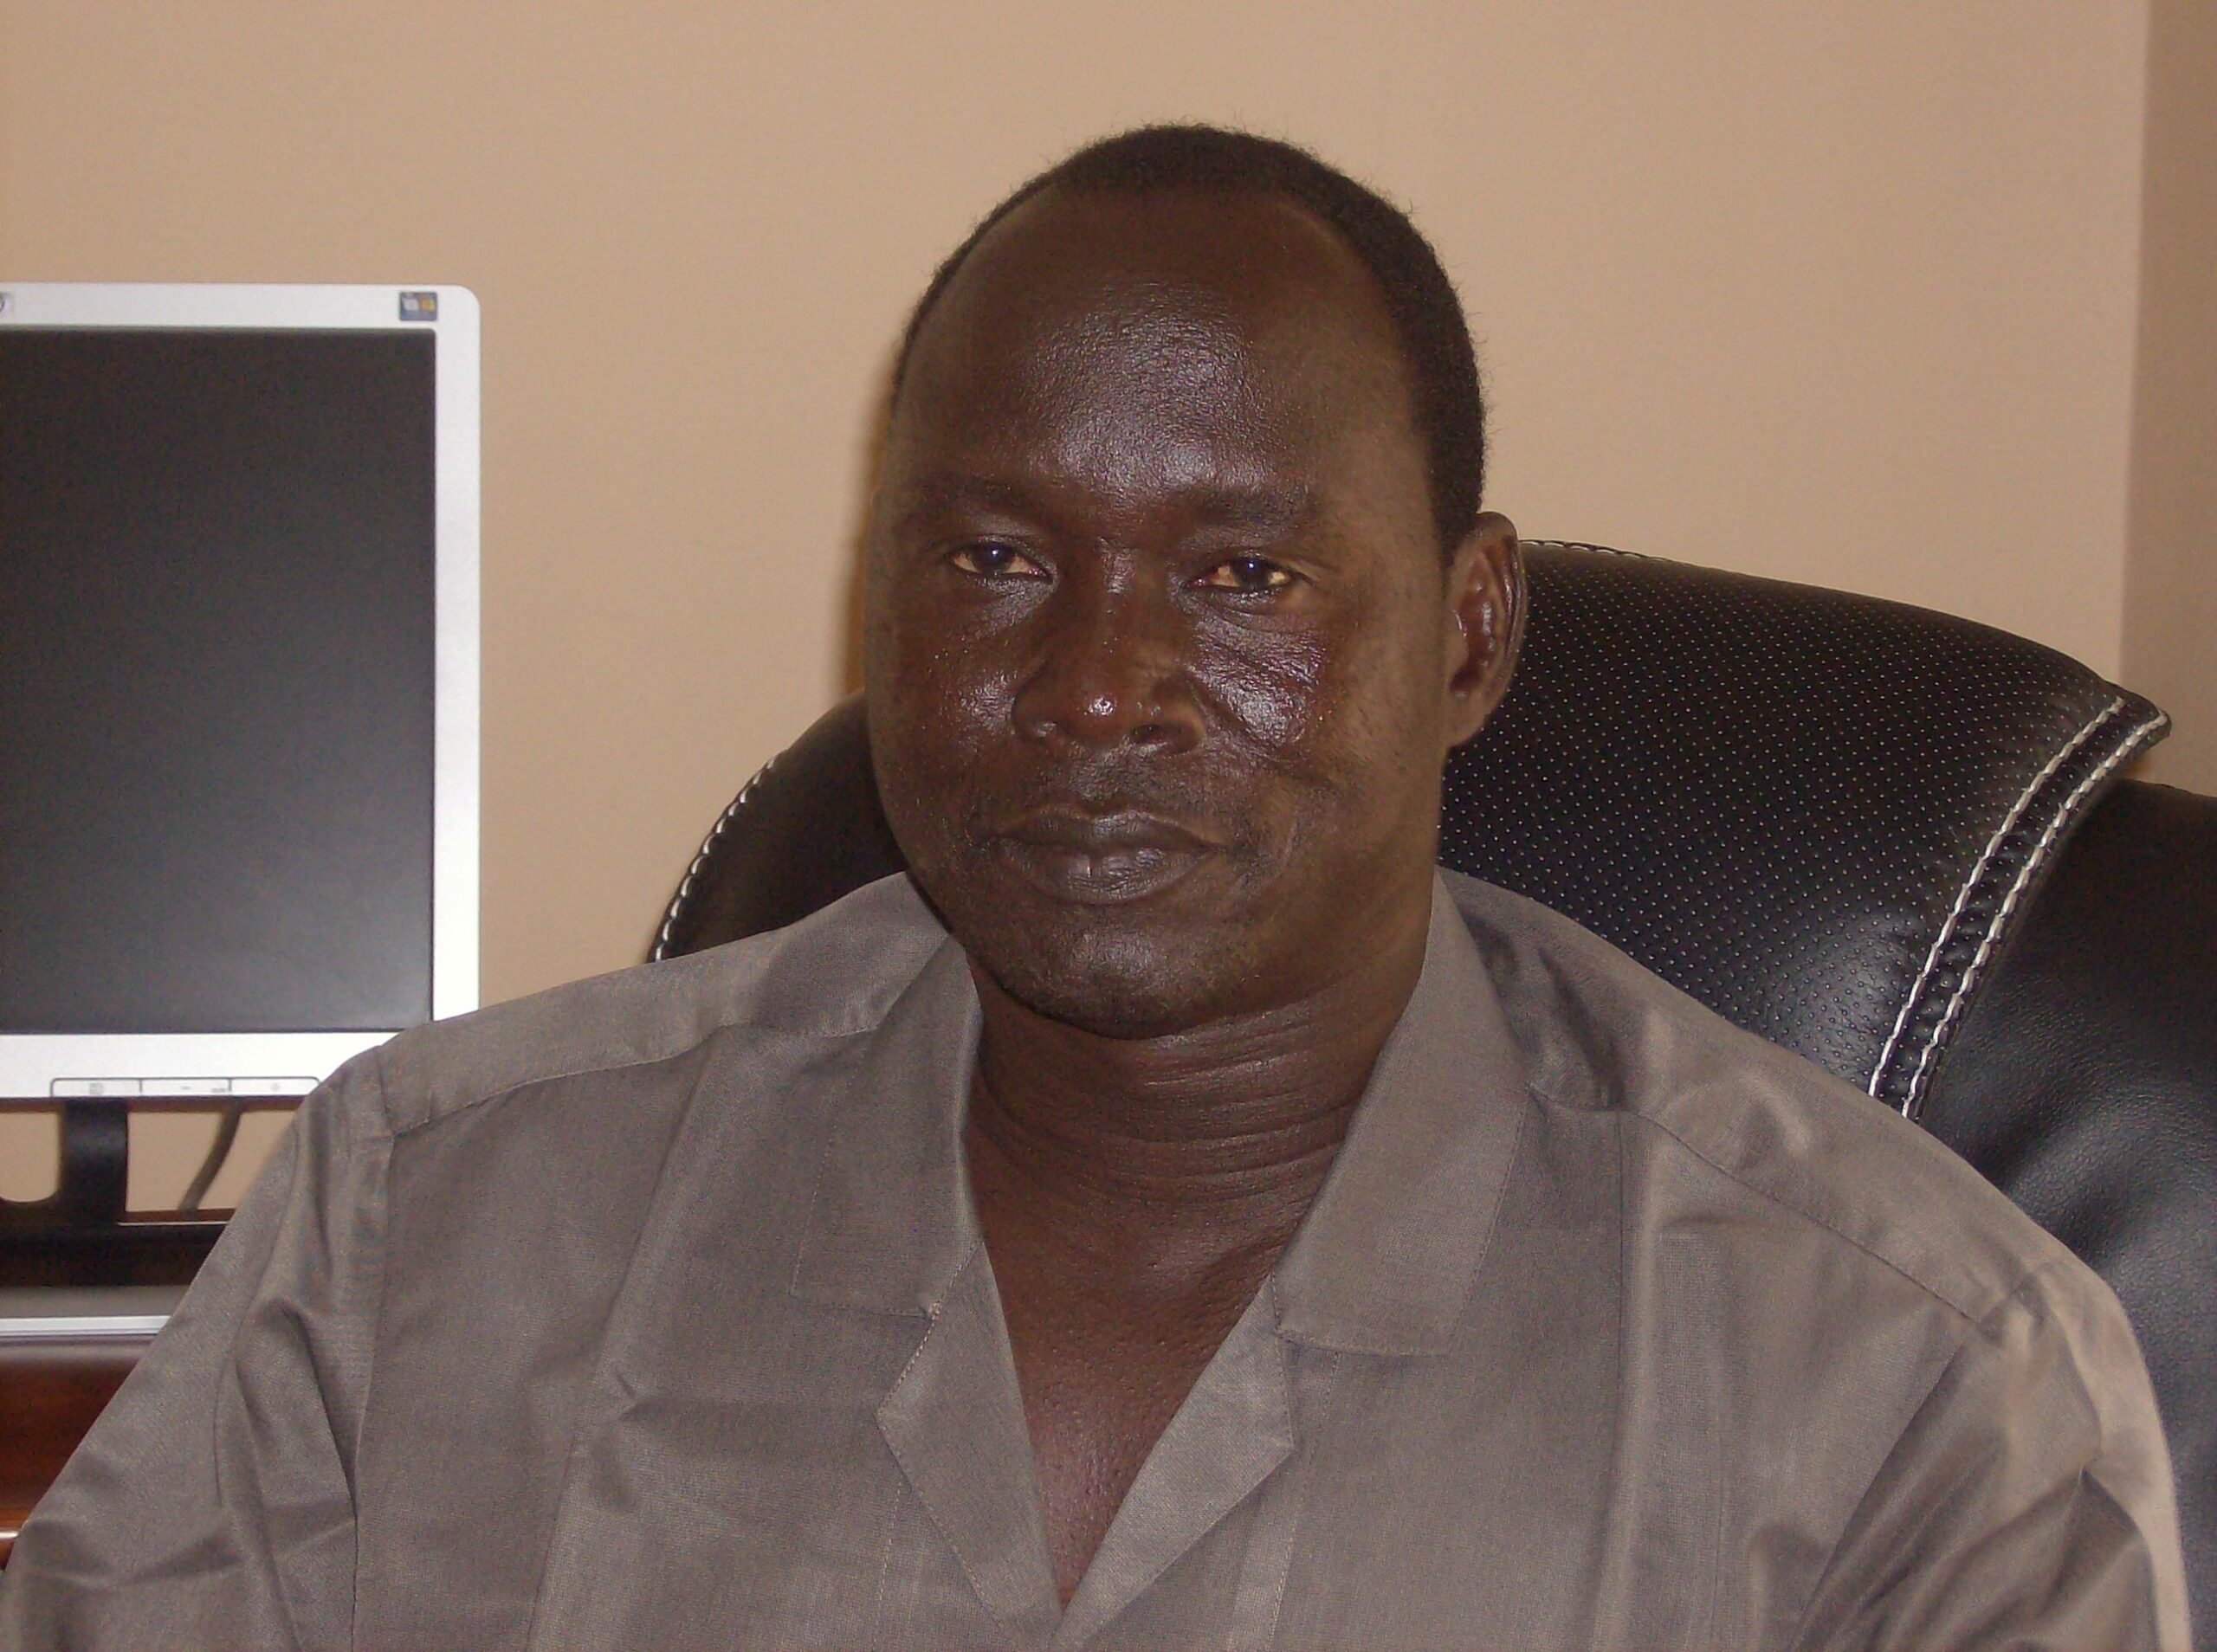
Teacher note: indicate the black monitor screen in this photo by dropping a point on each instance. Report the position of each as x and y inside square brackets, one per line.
[216, 591]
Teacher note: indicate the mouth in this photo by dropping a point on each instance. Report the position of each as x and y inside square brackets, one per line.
[1099, 859]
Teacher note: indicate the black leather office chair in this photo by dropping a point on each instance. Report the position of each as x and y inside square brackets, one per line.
[1895, 841]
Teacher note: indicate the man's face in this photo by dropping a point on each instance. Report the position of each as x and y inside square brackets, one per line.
[1162, 661]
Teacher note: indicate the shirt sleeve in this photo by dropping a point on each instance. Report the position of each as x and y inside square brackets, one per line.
[2029, 1503]
[212, 1504]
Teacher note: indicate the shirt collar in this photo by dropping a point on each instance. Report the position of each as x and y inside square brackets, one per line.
[1384, 1262]
[1386, 1257]
[891, 1221]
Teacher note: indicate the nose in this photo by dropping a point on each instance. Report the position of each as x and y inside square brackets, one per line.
[1111, 671]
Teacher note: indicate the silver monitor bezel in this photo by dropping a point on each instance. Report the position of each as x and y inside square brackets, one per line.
[49, 1064]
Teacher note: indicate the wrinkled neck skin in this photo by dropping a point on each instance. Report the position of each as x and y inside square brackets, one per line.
[1178, 1154]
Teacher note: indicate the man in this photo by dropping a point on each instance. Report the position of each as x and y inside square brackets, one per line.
[1180, 1217]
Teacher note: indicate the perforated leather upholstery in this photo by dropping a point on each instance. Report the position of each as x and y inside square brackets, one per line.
[1837, 822]
[1815, 812]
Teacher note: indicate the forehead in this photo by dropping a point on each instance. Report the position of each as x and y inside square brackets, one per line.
[1230, 321]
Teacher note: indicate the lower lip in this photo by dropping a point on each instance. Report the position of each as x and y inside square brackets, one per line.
[1111, 878]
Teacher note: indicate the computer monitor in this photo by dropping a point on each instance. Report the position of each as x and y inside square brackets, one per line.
[238, 681]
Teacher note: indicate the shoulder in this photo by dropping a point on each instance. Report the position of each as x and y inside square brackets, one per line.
[830, 975]
[1602, 1032]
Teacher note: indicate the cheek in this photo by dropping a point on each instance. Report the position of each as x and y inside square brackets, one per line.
[1336, 707]
[1272, 691]
[945, 688]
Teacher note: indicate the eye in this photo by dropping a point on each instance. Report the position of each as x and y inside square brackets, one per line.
[1249, 576]
[990, 560]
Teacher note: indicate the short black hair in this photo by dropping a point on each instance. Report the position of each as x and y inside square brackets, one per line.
[1420, 299]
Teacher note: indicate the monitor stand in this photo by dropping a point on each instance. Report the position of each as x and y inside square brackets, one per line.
[82, 1236]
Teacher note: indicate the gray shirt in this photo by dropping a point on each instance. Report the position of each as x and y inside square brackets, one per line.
[652, 1313]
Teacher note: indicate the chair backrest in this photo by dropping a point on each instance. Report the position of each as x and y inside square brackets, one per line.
[1848, 825]
[2083, 1085]
[1818, 813]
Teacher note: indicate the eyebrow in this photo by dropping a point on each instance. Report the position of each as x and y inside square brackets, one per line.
[1259, 507]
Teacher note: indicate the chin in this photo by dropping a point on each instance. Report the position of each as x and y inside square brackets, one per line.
[1102, 980]
[1105, 1008]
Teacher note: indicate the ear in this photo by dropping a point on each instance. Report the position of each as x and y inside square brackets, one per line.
[1485, 598]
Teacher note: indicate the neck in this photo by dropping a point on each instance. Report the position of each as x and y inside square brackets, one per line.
[1219, 1129]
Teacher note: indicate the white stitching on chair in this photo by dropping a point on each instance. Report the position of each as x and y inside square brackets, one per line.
[1583, 544]
[1978, 870]
[701, 860]
[2033, 861]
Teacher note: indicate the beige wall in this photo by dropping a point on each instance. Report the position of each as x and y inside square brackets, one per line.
[1837, 292]
[2170, 620]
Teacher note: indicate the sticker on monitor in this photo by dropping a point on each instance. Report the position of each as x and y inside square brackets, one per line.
[419, 306]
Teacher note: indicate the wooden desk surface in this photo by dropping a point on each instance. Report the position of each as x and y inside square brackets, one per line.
[55, 1381]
